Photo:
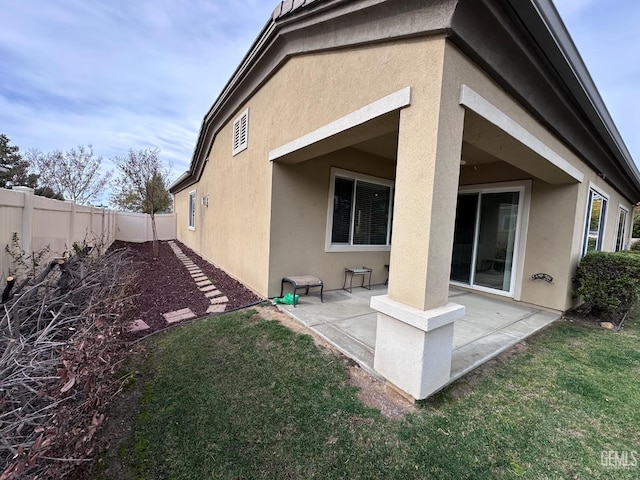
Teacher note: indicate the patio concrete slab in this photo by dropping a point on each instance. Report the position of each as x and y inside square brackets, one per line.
[490, 326]
[474, 354]
[361, 328]
[347, 344]
[466, 332]
[489, 311]
[338, 305]
[530, 324]
[213, 293]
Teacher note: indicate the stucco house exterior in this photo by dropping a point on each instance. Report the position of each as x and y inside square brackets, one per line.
[458, 141]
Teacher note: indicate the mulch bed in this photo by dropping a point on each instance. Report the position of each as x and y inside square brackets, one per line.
[164, 285]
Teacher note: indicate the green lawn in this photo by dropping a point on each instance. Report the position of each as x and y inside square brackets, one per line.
[240, 397]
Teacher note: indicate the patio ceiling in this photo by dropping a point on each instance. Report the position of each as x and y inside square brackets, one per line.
[365, 136]
[484, 142]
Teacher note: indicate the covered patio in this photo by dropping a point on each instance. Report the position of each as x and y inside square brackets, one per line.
[490, 326]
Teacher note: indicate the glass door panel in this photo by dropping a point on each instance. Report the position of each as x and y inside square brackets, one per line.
[496, 240]
[463, 238]
[622, 228]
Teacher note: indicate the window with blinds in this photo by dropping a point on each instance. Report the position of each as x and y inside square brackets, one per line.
[241, 133]
[361, 212]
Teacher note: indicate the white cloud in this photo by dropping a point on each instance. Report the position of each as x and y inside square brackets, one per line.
[119, 74]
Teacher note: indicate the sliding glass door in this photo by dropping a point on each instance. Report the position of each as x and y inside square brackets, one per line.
[485, 239]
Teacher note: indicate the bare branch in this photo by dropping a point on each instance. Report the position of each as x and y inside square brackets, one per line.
[142, 186]
[74, 173]
[59, 341]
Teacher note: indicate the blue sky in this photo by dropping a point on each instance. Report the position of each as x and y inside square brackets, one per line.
[122, 74]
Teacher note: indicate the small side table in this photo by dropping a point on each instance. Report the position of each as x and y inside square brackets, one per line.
[351, 272]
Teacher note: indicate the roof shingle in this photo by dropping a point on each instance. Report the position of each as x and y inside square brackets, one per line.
[289, 6]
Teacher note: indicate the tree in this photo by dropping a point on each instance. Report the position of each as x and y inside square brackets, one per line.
[636, 222]
[14, 170]
[74, 173]
[142, 186]
[48, 192]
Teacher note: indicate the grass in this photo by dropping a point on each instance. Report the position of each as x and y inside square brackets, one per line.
[240, 397]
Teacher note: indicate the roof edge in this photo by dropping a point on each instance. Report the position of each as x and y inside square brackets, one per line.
[558, 30]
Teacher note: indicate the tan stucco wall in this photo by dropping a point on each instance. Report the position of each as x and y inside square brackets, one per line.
[234, 231]
[299, 222]
[557, 212]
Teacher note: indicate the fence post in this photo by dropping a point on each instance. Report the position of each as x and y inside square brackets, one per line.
[72, 224]
[91, 220]
[103, 238]
[27, 218]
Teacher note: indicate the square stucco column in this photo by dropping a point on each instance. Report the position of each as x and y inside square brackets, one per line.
[413, 347]
[414, 340]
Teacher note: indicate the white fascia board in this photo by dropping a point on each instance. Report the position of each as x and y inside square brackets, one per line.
[394, 101]
[475, 102]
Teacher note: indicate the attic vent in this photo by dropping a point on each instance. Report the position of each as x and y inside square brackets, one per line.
[241, 132]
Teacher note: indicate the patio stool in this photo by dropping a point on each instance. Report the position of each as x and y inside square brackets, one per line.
[302, 281]
[363, 272]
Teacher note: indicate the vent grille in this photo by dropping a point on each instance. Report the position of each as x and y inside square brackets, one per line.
[241, 133]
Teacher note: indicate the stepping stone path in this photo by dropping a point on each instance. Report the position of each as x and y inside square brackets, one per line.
[216, 297]
[218, 300]
[178, 315]
[138, 326]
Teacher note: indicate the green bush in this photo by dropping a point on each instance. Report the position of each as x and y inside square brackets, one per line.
[609, 282]
[635, 247]
[636, 223]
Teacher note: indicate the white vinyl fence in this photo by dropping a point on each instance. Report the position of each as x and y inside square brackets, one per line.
[136, 227]
[42, 222]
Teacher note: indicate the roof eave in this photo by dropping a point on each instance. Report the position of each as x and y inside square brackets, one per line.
[585, 88]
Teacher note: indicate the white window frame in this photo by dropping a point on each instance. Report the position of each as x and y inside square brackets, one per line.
[625, 243]
[192, 209]
[240, 142]
[340, 247]
[587, 218]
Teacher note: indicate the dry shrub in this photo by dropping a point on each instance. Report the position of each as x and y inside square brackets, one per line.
[61, 345]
